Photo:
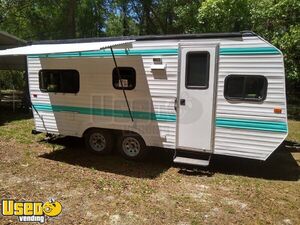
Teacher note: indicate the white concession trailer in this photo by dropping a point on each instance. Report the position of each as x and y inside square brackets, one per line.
[218, 93]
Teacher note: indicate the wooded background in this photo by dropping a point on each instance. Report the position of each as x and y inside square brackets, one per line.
[278, 21]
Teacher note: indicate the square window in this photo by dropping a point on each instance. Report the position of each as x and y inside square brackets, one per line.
[197, 70]
[245, 87]
[126, 79]
[59, 81]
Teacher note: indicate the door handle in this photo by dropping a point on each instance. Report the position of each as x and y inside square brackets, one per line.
[182, 101]
[175, 104]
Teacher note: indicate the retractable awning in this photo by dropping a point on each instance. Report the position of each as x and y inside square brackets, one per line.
[72, 47]
[65, 48]
[11, 62]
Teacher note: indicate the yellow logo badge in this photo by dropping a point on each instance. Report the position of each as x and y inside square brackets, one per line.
[31, 211]
[52, 208]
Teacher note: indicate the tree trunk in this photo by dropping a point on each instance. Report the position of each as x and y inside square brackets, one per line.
[146, 17]
[70, 24]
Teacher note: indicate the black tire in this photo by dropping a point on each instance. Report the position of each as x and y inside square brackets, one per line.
[132, 147]
[101, 146]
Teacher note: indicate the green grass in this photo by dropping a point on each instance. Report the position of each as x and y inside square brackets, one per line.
[17, 126]
[95, 189]
[18, 130]
[294, 131]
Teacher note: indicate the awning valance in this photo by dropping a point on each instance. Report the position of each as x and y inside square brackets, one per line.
[65, 48]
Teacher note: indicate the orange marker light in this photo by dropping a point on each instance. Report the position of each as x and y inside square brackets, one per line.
[278, 110]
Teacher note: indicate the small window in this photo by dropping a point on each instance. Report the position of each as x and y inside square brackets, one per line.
[59, 81]
[245, 88]
[197, 70]
[128, 78]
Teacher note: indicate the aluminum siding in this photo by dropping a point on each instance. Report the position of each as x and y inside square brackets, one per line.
[162, 93]
[244, 142]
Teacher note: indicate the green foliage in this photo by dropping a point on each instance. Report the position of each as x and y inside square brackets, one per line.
[31, 19]
[90, 18]
[186, 21]
[278, 21]
[224, 15]
[114, 26]
[52, 19]
[289, 44]
[13, 80]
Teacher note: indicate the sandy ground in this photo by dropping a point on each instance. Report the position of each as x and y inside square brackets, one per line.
[110, 190]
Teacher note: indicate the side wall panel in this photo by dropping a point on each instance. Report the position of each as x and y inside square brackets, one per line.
[98, 104]
[44, 120]
[242, 127]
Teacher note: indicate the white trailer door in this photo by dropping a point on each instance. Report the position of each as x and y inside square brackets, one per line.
[196, 97]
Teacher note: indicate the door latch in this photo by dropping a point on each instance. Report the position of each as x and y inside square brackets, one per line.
[182, 101]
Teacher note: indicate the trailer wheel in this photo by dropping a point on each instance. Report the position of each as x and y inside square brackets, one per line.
[132, 147]
[98, 141]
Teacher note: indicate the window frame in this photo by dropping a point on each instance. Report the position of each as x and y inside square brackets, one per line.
[120, 68]
[244, 99]
[46, 91]
[187, 71]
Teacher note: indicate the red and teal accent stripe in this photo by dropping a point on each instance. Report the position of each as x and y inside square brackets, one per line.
[260, 125]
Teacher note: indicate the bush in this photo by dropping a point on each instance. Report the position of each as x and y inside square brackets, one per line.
[13, 80]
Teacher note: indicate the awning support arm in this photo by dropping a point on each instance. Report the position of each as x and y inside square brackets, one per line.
[120, 79]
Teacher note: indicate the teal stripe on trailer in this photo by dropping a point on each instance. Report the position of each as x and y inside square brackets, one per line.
[157, 52]
[117, 52]
[249, 51]
[252, 124]
[107, 112]
[272, 126]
